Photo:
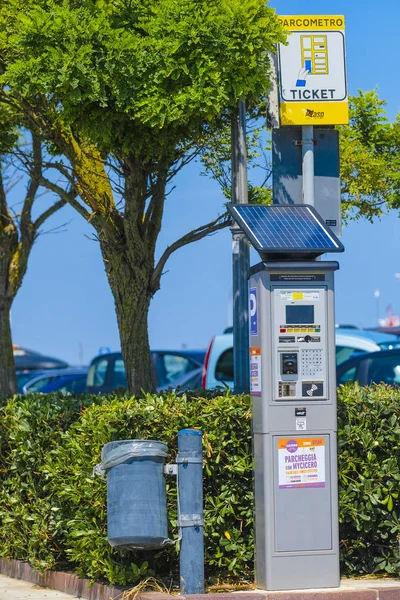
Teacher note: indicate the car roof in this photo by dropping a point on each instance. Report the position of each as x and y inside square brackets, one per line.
[343, 332]
[375, 336]
[38, 361]
[57, 372]
[197, 355]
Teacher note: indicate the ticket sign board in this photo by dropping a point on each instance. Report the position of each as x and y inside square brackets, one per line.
[312, 71]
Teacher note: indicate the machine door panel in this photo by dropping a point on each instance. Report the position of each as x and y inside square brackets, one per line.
[302, 483]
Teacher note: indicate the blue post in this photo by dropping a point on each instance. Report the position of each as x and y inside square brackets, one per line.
[190, 506]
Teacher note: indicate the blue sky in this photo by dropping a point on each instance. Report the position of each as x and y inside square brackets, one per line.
[65, 307]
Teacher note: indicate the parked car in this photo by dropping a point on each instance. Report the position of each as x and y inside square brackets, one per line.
[72, 384]
[38, 382]
[352, 341]
[374, 367]
[107, 372]
[189, 381]
[218, 364]
[29, 364]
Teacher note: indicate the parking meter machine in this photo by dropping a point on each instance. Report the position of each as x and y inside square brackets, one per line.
[293, 388]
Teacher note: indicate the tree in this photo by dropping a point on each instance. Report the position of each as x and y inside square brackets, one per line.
[128, 92]
[369, 158]
[18, 228]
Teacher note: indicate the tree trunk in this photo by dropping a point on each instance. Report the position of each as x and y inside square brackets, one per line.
[8, 379]
[129, 281]
[133, 328]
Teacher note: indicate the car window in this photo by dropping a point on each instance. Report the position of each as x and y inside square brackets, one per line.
[118, 377]
[75, 386]
[349, 375]
[384, 369]
[98, 372]
[23, 378]
[36, 386]
[224, 367]
[171, 367]
[345, 352]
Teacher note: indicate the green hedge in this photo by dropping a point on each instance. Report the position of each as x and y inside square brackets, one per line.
[53, 511]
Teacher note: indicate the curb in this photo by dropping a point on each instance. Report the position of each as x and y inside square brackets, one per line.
[69, 583]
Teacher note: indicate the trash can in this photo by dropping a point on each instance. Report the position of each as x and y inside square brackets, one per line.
[136, 494]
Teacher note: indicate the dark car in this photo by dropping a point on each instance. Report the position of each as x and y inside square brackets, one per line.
[29, 363]
[374, 367]
[107, 371]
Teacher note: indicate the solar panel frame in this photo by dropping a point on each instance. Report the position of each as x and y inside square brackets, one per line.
[292, 223]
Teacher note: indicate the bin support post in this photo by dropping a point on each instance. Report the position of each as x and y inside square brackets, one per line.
[190, 507]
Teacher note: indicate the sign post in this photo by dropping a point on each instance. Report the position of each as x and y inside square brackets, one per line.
[312, 82]
[240, 255]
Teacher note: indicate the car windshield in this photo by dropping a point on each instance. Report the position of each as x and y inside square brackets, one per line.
[23, 378]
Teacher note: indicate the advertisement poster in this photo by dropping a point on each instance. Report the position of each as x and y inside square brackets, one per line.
[255, 371]
[301, 462]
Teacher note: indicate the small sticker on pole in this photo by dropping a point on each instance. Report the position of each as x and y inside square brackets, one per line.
[255, 371]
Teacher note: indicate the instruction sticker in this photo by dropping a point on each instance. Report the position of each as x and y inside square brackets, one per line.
[255, 371]
[312, 295]
[301, 462]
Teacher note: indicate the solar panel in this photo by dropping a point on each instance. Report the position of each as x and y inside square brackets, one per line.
[285, 229]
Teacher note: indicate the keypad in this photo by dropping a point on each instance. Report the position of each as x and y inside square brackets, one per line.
[311, 363]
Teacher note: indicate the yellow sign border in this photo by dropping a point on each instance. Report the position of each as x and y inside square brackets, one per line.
[312, 22]
[314, 113]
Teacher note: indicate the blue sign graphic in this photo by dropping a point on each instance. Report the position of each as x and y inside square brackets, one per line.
[253, 311]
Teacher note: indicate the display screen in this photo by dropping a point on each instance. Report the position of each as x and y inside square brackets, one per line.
[300, 314]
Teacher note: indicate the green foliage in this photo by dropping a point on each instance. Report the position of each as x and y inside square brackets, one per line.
[9, 133]
[134, 75]
[369, 479]
[29, 428]
[369, 159]
[53, 511]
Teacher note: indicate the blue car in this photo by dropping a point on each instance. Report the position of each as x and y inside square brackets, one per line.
[54, 379]
[72, 384]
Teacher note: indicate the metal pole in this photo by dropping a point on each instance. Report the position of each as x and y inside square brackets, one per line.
[307, 135]
[190, 509]
[240, 255]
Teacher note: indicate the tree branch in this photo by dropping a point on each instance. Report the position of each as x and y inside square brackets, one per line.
[35, 175]
[193, 236]
[66, 196]
[47, 213]
[5, 215]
